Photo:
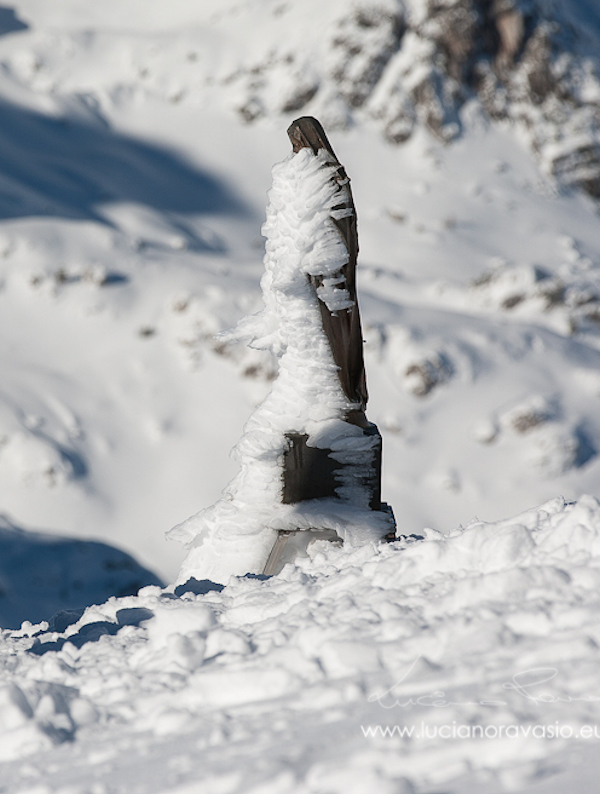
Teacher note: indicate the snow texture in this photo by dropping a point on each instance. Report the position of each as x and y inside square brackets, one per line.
[136, 144]
[479, 646]
[235, 535]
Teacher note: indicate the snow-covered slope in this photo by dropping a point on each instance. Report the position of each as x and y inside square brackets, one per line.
[136, 148]
[133, 200]
[452, 664]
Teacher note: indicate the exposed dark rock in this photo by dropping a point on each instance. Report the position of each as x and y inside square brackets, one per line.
[411, 63]
[362, 46]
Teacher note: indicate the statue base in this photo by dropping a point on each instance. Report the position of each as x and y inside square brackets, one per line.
[293, 543]
[313, 473]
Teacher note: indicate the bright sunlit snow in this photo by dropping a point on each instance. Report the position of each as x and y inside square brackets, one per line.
[136, 150]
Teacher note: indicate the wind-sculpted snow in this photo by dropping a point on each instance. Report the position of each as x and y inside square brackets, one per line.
[235, 535]
[399, 665]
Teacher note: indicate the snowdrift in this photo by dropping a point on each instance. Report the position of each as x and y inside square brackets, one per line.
[396, 667]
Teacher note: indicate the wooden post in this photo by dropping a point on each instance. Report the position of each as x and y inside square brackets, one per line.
[343, 328]
[311, 472]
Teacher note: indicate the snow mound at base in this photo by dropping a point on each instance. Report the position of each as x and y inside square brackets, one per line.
[378, 665]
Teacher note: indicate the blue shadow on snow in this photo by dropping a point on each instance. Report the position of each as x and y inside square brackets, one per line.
[43, 575]
[68, 166]
[9, 22]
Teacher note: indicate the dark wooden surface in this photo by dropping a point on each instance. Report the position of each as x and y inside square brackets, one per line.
[310, 472]
[343, 328]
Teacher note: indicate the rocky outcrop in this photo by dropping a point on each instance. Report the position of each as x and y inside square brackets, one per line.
[411, 63]
[528, 62]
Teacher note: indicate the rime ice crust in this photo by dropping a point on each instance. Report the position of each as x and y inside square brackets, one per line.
[236, 534]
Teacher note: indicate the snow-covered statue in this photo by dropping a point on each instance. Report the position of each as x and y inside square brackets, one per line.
[310, 462]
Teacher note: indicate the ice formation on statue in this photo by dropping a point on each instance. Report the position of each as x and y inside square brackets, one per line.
[303, 247]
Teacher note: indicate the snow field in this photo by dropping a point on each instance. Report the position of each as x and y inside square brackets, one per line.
[494, 625]
[131, 199]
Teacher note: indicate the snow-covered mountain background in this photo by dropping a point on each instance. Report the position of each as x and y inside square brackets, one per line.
[136, 144]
